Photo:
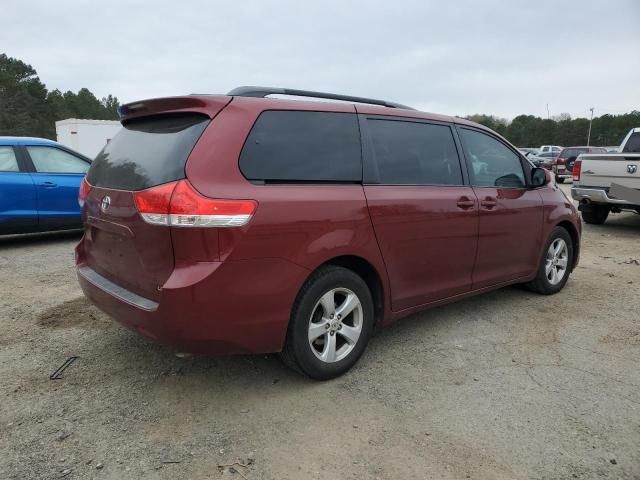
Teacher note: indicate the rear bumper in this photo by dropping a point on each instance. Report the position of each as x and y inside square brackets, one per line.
[595, 195]
[115, 290]
[227, 307]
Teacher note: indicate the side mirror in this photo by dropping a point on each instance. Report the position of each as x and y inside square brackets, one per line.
[540, 177]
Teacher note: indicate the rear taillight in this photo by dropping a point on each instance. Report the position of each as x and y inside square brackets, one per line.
[83, 192]
[178, 204]
[153, 203]
[576, 170]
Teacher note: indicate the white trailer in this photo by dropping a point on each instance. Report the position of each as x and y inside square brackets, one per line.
[86, 136]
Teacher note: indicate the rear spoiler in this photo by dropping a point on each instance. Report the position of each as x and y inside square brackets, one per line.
[208, 105]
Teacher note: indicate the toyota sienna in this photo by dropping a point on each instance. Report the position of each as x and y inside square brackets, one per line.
[225, 224]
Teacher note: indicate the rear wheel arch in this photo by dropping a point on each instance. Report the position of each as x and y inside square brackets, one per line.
[365, 270]
[316, 344]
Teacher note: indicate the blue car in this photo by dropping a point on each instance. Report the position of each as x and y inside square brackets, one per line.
[39, 182]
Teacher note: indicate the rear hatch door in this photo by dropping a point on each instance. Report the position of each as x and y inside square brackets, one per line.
[147, 152]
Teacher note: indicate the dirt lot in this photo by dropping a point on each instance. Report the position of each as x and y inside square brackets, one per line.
[502, 386]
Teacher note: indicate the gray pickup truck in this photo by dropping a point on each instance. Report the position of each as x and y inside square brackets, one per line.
[608, 182]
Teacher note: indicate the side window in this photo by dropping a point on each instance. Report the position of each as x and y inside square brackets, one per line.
[493, 164]
[412, 153]
[54, 160]
[303, 146]
[8, 161]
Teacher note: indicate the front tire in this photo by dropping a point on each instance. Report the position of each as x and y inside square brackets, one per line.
[331, 322]
[556, 264]
[597, 215]
[559, 179]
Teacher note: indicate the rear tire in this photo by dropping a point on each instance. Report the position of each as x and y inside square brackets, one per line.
[555, 265]
[597, 215]
[321, 342]
[559, 179]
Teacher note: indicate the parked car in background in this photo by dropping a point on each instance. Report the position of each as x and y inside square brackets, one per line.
[608, 182]
[529, 155]
[545, 160]
[563, 164]
[549, 148]
[39, 181]
[528, 150]
[205, 230]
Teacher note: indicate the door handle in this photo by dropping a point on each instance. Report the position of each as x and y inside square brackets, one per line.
[465, 203]
[49, 184]
[489, 203]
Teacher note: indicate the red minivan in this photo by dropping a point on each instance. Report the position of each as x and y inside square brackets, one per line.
[224, 224]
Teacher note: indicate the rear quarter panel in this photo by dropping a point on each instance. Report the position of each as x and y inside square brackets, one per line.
[306, 225]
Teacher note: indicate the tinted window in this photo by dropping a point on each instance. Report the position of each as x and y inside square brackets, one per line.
[147, 151]
[8, 162]
[54, 160]
[573, 152]
[493, 163]
[633, 144]
[303, 146]
[413, 153]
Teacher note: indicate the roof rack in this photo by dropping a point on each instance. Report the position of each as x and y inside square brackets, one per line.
[261, 92]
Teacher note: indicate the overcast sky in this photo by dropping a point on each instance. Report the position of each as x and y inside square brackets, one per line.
[496, 57]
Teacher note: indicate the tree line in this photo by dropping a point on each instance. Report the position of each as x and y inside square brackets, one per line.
[27, 108]
[531, 131]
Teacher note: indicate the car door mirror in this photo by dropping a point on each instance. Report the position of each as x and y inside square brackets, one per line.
[539, 177]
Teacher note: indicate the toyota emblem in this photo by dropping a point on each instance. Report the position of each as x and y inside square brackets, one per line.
[105, 203]
[631, 168]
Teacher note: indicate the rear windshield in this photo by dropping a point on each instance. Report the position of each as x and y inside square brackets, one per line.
[573, 152]
[633, 144]
[147, 151]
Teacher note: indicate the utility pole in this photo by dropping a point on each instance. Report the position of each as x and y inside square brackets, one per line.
[590, 121]
[548, 115]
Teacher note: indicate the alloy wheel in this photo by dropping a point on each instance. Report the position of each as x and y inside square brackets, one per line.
[557, 261]
[335, 325]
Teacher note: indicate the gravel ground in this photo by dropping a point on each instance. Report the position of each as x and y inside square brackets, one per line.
[502, 386]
